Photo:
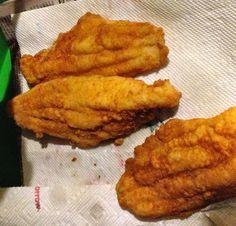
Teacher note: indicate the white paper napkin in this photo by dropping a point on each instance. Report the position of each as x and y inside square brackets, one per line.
[201, 38]
[87, 206]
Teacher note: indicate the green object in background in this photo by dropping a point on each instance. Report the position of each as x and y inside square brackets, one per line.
[5, 67]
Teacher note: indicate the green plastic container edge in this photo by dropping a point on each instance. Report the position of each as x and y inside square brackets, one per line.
[5, 66]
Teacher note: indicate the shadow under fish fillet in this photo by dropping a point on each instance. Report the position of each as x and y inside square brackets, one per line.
[89, 110]
[185, 166]
[97, 45]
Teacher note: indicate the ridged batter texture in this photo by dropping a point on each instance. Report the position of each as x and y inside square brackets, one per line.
[89, 110]
[185, 166]
[96, 45]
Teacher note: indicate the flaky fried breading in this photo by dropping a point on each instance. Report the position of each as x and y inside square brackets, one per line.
[89, 110]
[185, 166]
[97, 45]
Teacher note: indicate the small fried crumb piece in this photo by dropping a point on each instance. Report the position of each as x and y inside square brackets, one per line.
[119, 141]
[73, 159]
[39, 135]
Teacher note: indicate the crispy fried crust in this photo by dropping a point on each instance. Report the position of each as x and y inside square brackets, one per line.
[185, 166]
[99, 46]
[89, 110]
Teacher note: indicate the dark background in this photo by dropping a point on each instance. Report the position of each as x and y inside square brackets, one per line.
[10, 157]
[10, 135]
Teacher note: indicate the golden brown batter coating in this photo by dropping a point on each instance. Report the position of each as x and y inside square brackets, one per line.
[185, 166]
[97, 45]
[89, 110]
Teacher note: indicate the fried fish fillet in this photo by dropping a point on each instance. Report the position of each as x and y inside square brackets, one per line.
[96, 45]
[185, 166]
[89, 110]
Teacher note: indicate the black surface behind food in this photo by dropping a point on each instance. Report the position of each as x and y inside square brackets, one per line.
[10, 135]
[10, 157]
